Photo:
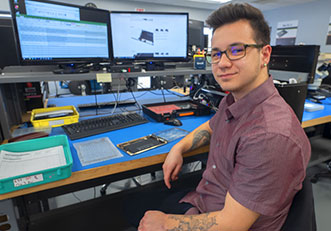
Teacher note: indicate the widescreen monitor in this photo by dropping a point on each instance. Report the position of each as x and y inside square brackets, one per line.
[151, 36]
[59, 33]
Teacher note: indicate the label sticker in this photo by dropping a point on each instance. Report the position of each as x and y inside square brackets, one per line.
[28, 180]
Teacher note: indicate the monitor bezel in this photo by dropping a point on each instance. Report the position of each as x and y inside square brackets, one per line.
[59, 61]
[147, 59]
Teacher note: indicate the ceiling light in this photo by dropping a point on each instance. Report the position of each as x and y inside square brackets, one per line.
[211, 1]
[220, 1]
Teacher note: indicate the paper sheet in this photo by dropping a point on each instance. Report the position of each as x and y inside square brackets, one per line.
[19, 163]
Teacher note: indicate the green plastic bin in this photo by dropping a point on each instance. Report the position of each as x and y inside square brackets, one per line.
[38, 177]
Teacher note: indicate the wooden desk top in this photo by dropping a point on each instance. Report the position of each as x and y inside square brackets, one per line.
[318, 121]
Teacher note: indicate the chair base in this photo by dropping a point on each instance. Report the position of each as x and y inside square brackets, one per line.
[315, 177]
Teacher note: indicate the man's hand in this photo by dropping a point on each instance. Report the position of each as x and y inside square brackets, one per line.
[172, 166]
[153, 221]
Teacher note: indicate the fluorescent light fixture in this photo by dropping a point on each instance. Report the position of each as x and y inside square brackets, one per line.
[219, 1]
[211, 1]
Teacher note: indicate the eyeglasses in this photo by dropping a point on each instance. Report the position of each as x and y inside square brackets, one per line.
[233, 52]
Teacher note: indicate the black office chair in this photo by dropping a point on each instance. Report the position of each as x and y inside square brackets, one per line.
[302, 212]
[327, 173]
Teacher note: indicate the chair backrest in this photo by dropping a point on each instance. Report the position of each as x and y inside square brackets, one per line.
[302, 212]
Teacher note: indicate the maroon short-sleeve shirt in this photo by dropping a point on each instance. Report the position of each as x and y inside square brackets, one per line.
[258, 153]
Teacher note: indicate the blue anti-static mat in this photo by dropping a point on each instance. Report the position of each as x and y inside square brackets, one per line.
[126, 134]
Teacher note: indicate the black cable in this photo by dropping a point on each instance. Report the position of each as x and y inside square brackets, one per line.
[95, 97]
[135, 99]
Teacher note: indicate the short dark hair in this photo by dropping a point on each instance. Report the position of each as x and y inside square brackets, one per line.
[231, 13]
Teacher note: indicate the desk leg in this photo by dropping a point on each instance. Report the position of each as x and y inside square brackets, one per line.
[26, 208]
[23, 219]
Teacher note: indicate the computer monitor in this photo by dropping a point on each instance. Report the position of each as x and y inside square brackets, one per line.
[58, 33]
[152, 36]
[8, 54]
[196, 36]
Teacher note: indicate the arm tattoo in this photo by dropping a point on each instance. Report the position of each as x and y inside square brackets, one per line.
[200, 138]
[194, 222]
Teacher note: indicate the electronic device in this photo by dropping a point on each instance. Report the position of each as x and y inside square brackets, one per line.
[143, 144]
[50, 32]
[205, 90]
[144, 82]
[100, 105]
[289, 61]
[149, 36]
[8, 54]
[294, 94]
[319, 97]
[124, 68]
[196, 36]
[94, 126]
[173, 122]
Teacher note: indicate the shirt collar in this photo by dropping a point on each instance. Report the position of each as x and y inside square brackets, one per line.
[237, 108]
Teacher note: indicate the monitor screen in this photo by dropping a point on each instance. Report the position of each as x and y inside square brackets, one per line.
[196, 36]
[52, 32]
[149, 36]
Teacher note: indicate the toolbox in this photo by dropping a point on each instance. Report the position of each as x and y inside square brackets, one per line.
[164, 111]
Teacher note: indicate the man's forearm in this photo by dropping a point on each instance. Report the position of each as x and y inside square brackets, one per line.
[197, 138]
[200, 138]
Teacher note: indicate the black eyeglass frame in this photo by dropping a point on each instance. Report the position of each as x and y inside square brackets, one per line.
[209, 58]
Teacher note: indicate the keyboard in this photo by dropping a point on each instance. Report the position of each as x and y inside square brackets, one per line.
[94, 126]
[106, 104]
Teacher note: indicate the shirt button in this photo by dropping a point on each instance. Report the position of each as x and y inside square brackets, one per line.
[217, 144]
[214, 166]
[207, 182]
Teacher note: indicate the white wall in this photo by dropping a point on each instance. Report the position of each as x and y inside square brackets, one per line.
[313, 22]
[130, 6]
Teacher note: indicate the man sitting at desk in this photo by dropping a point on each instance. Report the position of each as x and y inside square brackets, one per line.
[258, 150]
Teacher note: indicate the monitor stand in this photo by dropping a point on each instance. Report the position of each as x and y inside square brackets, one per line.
[71, 69]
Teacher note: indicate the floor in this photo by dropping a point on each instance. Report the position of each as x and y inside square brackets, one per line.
[322, 198]
[321, 189]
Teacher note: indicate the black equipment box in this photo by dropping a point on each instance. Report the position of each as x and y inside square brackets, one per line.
[164, 111]
[295, 95]
[298, 58]
[124, 68]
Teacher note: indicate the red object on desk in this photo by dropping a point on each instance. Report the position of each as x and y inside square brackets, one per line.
[29, 136]
[162, 109]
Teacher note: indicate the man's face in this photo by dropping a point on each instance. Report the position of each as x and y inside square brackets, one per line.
[243, 75]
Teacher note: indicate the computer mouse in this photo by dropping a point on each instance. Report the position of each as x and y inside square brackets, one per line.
[174, 122]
